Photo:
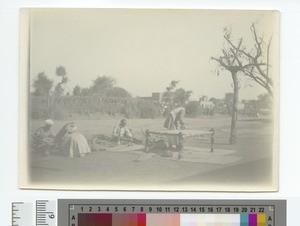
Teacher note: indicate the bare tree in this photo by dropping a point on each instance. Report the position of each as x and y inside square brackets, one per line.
[237, 60]
[227, 61]
[230, 60]
[257, 58]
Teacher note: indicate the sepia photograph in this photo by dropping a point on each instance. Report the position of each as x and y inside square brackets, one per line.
[149, 99]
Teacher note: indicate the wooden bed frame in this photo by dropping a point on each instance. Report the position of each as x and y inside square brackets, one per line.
[180, 135]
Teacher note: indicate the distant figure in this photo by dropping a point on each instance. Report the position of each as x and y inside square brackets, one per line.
[71, 142]
[122, 133]
[42, 139]
[174, 118]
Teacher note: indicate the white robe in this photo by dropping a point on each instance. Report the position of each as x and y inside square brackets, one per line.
[76, 145]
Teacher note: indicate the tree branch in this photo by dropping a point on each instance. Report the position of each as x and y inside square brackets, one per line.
[236, 48]
[258, 43]
[268, 53]
[221, 62]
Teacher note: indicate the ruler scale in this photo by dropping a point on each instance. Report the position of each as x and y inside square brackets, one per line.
[22, 214]
[45, 213]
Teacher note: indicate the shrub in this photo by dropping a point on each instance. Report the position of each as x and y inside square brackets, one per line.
[65, 106]
[149, 111]
[192, 109]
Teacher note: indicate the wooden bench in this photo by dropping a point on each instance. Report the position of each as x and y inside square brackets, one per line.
[180, 135]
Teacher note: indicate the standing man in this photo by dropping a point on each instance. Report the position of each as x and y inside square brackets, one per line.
[42, 139]
[174, 118]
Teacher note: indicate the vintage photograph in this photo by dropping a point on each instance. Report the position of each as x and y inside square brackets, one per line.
[149, 99]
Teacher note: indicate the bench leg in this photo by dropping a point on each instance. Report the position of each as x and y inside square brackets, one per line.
[180, 145]
[212, 140]
[147, 141]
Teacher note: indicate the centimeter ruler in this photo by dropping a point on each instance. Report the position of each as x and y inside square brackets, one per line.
[23, 213]
[45, 213]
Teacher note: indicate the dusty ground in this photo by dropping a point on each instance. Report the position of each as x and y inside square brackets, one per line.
[254, 146]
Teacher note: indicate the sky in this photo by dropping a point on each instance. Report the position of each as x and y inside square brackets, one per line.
[144, 50]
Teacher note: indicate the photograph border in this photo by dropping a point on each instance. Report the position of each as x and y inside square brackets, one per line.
[24, 125]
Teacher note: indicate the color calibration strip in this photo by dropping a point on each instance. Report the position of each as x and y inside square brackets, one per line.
[130, 219]
[173, 212]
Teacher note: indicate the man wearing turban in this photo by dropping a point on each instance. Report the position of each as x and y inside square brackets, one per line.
[42, 139]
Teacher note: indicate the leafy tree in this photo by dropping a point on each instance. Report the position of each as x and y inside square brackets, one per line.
[58, 92]
[77, 91]
[172, 86]
[174, 96]
[168, 98]
[85, 91]
[265, 101]
[181, 96]
[60, 72]
[42, 85]
[117, 92]
[101, 84]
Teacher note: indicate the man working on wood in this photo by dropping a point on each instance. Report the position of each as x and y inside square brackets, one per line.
[174, 118]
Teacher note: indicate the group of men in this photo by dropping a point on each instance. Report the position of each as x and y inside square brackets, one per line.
[67, 141]
[44, 141]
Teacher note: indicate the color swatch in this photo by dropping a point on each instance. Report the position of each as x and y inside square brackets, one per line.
[140, 219]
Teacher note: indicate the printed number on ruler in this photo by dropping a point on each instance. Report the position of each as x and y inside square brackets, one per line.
[46, 213]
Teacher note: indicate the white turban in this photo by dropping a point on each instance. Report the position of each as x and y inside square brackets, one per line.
[49, 122]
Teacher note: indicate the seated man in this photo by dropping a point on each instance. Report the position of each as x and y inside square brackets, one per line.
[122, 134]
[42, 139]
[71, 142]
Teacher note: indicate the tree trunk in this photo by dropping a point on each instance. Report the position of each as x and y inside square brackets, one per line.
[269, 91]
[233, 135]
